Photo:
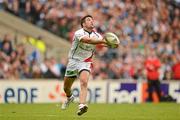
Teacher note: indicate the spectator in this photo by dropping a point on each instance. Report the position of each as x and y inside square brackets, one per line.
[152, 65]
[62, 67]
[50, 69]
[6, 45]
[25, 72]
[36, 72]
[176, 69]
[6, 48]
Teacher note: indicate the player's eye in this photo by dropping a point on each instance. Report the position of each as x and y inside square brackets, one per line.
[89, 19]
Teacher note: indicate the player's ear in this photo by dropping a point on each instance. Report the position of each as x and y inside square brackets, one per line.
[83, 24]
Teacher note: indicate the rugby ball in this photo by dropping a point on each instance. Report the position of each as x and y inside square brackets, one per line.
[112, 40]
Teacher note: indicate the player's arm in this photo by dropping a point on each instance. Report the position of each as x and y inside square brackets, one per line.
[95, 41]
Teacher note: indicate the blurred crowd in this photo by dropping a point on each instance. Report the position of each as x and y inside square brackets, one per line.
[146, 28]
[15, 63]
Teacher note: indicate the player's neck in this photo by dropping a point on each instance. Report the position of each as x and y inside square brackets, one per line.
[88, 30]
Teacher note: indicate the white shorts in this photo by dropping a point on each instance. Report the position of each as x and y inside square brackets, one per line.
[74, 67]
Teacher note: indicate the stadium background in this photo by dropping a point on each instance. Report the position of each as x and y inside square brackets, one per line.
[28, 57]
[35, 36]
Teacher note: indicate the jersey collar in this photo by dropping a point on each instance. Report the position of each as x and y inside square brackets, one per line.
[87, 31]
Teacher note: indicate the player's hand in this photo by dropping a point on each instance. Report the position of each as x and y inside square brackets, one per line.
[106, 42]
[109, 45]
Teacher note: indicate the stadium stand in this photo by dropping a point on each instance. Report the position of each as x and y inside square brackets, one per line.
[23, 28]
[31, 52]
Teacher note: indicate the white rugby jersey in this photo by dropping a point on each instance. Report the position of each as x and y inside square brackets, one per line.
[83, 51]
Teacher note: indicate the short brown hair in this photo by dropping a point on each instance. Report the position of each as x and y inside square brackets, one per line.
[83, 19]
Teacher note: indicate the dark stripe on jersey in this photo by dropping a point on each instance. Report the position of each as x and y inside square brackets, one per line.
[96, 34]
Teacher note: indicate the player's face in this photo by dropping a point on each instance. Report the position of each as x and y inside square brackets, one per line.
[89, 23]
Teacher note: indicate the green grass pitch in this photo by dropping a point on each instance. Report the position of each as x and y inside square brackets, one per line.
[147, 111]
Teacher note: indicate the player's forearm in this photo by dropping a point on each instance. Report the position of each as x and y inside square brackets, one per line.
[93, 40]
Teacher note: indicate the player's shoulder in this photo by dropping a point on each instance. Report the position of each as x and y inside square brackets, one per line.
[79, 31]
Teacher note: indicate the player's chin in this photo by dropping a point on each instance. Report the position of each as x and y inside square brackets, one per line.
[92, 26]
